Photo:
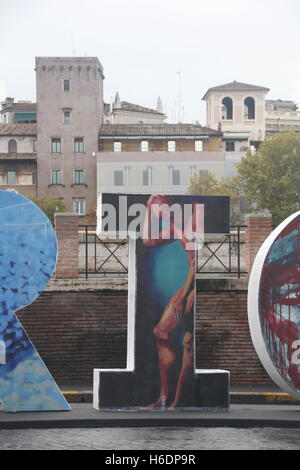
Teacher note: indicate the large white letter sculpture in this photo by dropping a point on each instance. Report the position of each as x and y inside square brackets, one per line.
[161, 370]
[274, 305]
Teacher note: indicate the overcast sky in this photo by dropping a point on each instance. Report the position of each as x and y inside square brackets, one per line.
[143, 44]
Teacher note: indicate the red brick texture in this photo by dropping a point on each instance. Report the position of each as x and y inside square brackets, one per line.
[258, 229]
[75, 332]
[223, 338]
[66, 227]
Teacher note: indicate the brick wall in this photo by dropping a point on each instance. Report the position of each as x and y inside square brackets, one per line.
[77, 331]
[223, 338]
[66, 227]
[259, 226]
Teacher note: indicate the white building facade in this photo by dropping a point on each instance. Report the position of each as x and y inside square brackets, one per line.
[155, 172]
[238, 109]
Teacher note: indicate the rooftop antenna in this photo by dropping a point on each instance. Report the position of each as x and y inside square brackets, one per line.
[72, 44]
[179, 97]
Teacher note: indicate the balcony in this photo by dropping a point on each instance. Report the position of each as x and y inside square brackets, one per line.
[27, 190]
[18, 156]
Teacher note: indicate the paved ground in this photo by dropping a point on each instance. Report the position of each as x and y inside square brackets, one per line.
[83, 415]
[245, 427]
[175, 438]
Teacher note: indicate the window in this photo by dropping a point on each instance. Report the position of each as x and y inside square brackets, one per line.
[118, 178]
[117, 146]
[79, 145]
[145, 177]
[34, 145]
[55, 176]
[66, 85]
[227, 108]
[11, 177]
[79, 176]
[145, 146]
[56, 145]
[203, 173]
[79, 206]
[67, 116]
[12, 146]
[230, 146]
[249, 108]
[198, 146]
[171, 146]
[34, 178]
[176, 177]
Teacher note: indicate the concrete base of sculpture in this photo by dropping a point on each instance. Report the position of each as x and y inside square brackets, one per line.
[208, 391]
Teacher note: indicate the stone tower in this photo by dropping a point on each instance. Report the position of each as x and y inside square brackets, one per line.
[69, 114]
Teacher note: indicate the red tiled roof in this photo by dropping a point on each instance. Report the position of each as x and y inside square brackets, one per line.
[137, 108]
[18, 129]
[155, 130]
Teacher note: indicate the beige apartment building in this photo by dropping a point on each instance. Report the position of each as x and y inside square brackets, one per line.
[18, 158]
[156, 173]
[17, 111]
[161, 158]
[282, 115]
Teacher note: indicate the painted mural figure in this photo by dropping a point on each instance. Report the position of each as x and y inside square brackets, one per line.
[27, 259]
[179, 311]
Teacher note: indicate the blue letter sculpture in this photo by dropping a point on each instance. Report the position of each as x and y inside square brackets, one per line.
[27, 259]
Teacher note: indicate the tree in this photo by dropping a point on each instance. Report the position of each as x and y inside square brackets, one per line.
[270, 178]
[209, 185]
[50, 205]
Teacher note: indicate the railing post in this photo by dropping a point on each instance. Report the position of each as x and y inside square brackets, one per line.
[86, 253]
[259, 226]
[239, 252]
[66, 227]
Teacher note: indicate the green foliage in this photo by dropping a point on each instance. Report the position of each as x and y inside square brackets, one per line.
[270, 178]
[208, 185]
[50, 205]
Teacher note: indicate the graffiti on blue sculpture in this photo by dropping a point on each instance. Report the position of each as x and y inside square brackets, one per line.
[28, 251]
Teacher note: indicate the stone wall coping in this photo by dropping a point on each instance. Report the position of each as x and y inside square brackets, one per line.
[259, 215]
[121, 284]
[65, 214]
[75, 285]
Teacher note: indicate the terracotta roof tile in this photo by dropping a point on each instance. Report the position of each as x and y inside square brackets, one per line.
[18, 129]
[137, 108]
[152, 130]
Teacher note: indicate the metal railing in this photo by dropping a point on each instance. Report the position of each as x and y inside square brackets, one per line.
[105, 257]
[229, 262]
